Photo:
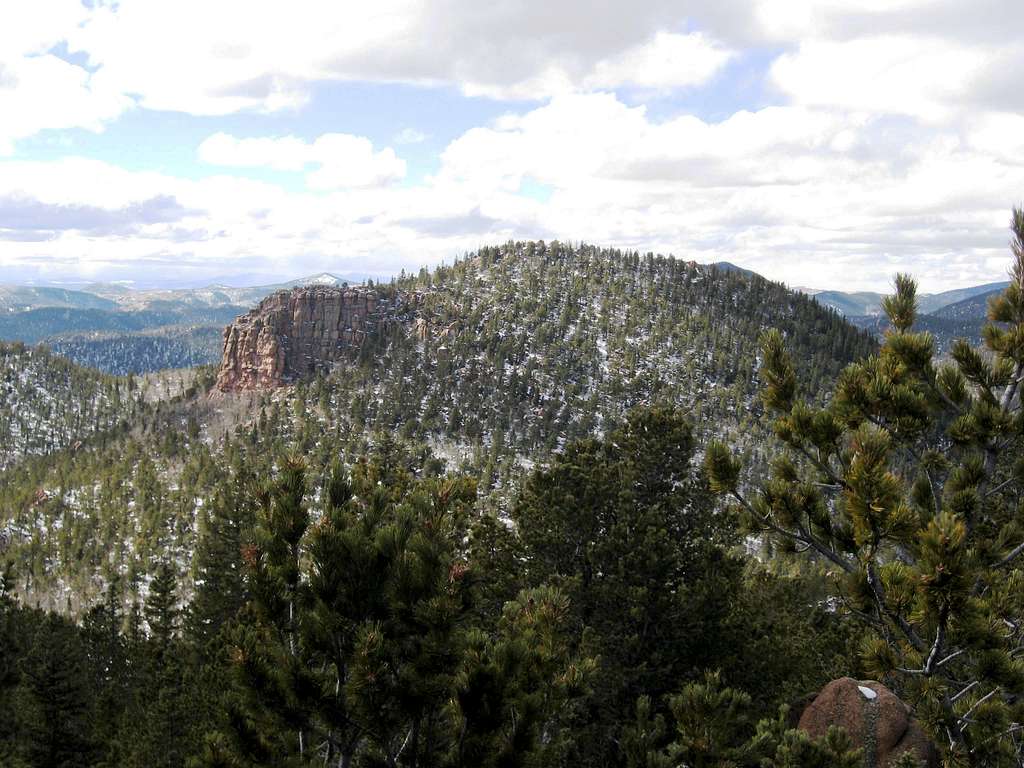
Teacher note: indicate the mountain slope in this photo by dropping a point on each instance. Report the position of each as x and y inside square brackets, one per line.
[519, 349]
[866, 303]
[544, 343]
[946, 330]
[145, 351]
[39, 324]
[47, 403]
[933, 304]
[19, 298]
[862, 303]
[973, 308]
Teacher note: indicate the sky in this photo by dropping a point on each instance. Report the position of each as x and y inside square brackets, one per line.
[823, 143]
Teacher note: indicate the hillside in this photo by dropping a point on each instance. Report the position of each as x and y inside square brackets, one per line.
[47, 403]
[50, 323]
[974, 308]
[147, 351]
[946, 330]
[522, 348]
[851, 304]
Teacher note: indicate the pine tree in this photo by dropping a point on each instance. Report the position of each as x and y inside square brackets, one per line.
[909, 487]
[53, 706]
[110, 667]
[220, 589]
[626, 528]
[517, 695]
[161, 608]
[714, 727]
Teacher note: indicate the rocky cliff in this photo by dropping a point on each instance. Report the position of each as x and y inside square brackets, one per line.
[295, 334]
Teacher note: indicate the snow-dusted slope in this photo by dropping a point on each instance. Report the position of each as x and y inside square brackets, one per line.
[47, 403]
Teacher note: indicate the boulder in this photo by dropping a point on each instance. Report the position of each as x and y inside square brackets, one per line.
[873, 717]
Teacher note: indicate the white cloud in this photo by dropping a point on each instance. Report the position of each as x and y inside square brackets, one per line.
[219, 58]
[667, 61]
[892, 139]
[344, 160]
[39, 90]
[803, 194]
[926, 78]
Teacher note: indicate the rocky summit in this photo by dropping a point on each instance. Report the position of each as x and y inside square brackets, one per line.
[294, 334]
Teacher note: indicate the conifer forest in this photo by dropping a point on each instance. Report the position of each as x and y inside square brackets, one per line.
[589, 508]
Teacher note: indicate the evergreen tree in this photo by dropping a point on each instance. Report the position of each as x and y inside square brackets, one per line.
[365, 645]
[909, 487]
[714, 727]
[111, 670]
[627, 529]
[161, 608]
[53, 702]
[220, 589]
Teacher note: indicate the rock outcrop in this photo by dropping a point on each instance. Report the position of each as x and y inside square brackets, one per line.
[873, 717]
[295, 334]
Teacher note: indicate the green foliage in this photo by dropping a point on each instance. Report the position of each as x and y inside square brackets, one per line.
[907, 487]
[626, 527]
[714, 727]
[361, 642]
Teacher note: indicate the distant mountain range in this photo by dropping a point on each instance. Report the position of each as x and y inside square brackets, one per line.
[117, 296]
[863, 303]
[950, 315]
[118, 329]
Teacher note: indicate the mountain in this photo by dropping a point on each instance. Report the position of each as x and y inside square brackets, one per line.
[50, 323]
[946, 330]
[21, 298]
[861, 303]
[728, 266]
[870, 302]
[324, 279]
[948, 316]
[214, 295]
[933, 304]
[973, 308]
[145, 351]
[506, 356]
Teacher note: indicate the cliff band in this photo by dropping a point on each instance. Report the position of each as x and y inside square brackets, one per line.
[295, 334]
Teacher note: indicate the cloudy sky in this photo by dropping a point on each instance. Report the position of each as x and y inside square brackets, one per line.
[825, 143]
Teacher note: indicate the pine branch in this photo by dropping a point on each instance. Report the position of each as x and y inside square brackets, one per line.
[1009, 558]
[879, 593]
[964, 721]
[803, 536]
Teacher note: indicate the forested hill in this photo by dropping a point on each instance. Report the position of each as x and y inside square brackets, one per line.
[48, 403]
[539, 343]
[521, 349]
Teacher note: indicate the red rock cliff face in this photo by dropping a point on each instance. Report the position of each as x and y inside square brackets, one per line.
[295, 334]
